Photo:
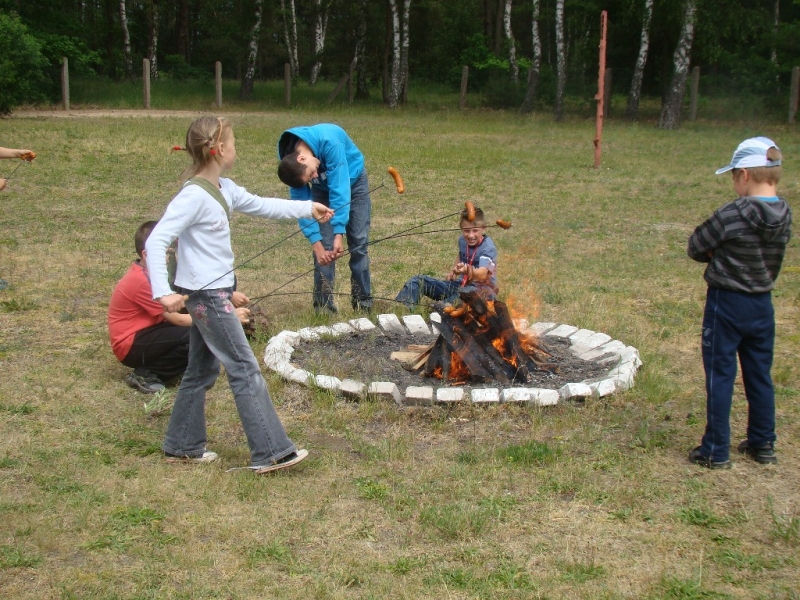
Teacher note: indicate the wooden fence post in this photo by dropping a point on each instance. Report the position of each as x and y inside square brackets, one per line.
[146, 82]
[65, 83]
[218, 82]
[600, 97]
[607, 94]
[794, 93]
[462, 97]
[287, 84]
[694, 93]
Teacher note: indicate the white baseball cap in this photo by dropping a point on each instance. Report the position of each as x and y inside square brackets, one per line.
[751, 153]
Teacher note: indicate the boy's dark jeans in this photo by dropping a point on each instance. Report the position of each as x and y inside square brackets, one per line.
[743, 324]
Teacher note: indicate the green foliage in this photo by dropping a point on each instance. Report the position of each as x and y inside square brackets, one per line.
[22, 64]
[177, 68]
[81, 60]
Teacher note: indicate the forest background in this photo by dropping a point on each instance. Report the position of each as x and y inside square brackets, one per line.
[529, 55]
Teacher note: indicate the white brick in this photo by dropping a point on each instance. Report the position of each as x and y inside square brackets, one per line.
[603, 388]
[391, 324]
[545, 397]
[290, 337]
[454, 394]
[326, 382]
[362, 324]
[542, 328]
[342, 328]
[623, 375]
[386, 390]
[416, 325]
[630, 354]
[562, 331]
[485, 395]
[308, 334]
[612, 347]
[285, 370]
[590, 343]
[419, 395]
[324, 330]
[301, 376]
[518, 395]
[520, 324]
[580, 335]
[574, 390]
[351, 388]
[436, 317]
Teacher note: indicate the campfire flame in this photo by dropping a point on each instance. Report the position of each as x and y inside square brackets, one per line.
[480, 342]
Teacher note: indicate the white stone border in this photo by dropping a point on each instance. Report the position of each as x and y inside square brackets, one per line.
[622, 360]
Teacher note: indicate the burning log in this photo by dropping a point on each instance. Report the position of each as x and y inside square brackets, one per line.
[478, 342]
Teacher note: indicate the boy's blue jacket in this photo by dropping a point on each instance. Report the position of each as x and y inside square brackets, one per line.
[341, 163]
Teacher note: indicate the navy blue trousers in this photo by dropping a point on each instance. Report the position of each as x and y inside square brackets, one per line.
[738, 324]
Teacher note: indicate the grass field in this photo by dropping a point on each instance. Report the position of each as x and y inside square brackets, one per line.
[581, 500]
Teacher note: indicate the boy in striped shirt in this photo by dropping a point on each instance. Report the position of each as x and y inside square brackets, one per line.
[743, 243]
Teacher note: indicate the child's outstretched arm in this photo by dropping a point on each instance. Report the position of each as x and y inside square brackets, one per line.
[14, 152]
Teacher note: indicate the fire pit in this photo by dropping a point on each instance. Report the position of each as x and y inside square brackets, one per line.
[613, 362]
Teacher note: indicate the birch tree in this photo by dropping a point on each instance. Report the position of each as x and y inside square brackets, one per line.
[394, 73]
[320, 27]
[246, 91]
[536, 62]
[632, 110]
[290, 36]
[126, 41]
[152, 38]
[671, 110]
[362, 85]
[561, 61]
[512, 49]
[404, 49]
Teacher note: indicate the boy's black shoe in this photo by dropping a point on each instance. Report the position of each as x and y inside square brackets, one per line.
[696, 457]
[764, 455]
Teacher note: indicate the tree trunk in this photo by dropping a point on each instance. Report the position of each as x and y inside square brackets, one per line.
[671, 110]
[362, 85]
[512, 48]
[183, 30]
[561, 61]
[632, 110]
[404, 50]
[290, 36]
[320, 27]
[773, 56]
[395, 83]
[152, 38]
[246, 91]
[536, 62]
[126, 41]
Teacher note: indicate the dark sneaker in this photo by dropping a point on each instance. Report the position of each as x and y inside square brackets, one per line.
[696, 457]
[764, 455]
[145, 384]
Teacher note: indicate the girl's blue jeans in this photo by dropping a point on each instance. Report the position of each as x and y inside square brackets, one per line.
[357, 234]
[738, 324]
[216, 336]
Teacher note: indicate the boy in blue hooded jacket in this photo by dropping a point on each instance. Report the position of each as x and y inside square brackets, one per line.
[321, 163]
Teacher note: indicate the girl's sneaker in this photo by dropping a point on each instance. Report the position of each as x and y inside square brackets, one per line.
[286, 461]
[207, 457]
[764, 455]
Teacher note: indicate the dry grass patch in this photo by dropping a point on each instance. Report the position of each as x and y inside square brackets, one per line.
[580, 500]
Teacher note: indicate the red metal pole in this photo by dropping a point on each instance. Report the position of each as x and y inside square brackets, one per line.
[598, 136]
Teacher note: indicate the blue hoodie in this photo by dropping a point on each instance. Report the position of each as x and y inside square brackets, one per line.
[341, 163]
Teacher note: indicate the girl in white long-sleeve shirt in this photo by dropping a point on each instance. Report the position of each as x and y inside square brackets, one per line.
[198, 216]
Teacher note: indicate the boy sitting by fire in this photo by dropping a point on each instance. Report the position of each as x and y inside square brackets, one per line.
[475, 270]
